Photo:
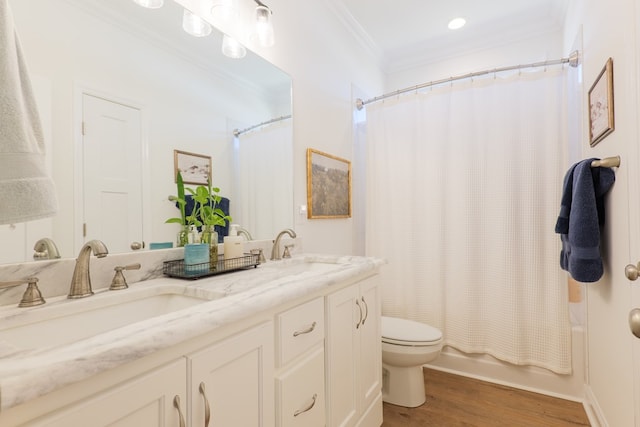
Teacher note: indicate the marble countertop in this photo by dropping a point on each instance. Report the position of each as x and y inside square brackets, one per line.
[27, 374]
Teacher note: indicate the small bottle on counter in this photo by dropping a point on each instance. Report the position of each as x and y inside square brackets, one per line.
[233, 244]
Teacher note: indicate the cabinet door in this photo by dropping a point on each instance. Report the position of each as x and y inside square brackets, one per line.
[342, 346]
[147, 401]
[370, 357]
[237, 374]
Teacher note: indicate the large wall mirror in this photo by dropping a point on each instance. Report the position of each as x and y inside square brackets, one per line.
[116, 72]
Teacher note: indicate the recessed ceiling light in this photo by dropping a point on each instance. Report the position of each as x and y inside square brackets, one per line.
[457, 23]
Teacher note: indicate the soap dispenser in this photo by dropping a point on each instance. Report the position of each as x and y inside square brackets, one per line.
[233, 244]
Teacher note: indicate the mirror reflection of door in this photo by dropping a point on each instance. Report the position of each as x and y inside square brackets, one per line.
[112, 178]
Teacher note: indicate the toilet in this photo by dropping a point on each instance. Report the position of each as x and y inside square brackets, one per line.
[406, 346]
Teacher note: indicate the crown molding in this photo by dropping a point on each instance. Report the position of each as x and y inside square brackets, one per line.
[360, 35]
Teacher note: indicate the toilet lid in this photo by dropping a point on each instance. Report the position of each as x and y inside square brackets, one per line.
[396, 330]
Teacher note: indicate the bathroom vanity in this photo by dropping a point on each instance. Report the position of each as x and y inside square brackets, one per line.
[291, 343]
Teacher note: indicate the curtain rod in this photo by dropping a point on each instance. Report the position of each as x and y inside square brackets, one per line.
[573, 60]
[237, 132]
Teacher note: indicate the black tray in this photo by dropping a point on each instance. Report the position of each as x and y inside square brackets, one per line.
[179, 269]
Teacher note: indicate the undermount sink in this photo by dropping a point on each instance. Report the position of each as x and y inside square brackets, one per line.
[66, 321]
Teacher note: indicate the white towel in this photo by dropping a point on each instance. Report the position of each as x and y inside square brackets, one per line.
[26, 191]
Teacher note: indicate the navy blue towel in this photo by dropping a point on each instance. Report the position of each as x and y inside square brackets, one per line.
[582, 213]
[223, 205]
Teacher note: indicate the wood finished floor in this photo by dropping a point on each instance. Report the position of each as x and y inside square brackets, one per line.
[454, 401]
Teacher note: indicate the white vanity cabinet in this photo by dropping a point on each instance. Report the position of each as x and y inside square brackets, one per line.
[312, 360]
[300, 377]
[147, 400]
[231, 382]
[353, 355]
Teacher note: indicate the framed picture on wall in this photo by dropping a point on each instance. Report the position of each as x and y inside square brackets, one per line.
[601, 116]
[195, 168]
[328, 186]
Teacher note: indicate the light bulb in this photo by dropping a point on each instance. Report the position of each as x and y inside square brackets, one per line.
[195, 25]
[456, 23]
[232, 48]
[264, 26]
[224, 10]
[150, 4]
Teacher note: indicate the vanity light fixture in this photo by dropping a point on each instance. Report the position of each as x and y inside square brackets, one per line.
[232, 48]
[264, 25]
[457, 23]
[195, 25]
[150, 4]
[224, 10]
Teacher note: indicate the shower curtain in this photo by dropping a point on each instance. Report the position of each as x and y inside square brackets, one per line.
[264, 178]
[463, 189]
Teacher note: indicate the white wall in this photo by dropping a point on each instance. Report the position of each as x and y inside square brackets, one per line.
[609, 30]
[70, 49]
[323, 60]
[311, 46]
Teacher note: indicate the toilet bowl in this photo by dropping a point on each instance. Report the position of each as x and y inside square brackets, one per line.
[406, 346]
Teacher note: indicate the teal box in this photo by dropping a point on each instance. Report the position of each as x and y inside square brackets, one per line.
[196, 258]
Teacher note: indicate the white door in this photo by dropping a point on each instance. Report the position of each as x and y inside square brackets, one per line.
[112, 178]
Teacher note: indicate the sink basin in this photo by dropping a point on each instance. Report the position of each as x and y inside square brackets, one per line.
[65, 321]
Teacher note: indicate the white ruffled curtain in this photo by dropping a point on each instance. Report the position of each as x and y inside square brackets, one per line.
[463, 190]
[264, 179]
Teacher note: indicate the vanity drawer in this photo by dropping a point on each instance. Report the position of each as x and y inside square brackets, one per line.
[299, 329]
[300, 393]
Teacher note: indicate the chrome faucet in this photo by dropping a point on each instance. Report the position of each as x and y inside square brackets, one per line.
[275, 251]
[81, 281]
[45, 248]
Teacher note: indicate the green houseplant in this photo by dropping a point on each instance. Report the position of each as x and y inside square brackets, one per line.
[183, 234]
[205, 214]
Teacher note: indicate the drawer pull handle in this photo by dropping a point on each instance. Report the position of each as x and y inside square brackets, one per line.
[176, 404]
[359, 320]
[305, 331]
[308, 408]
[366, 308]
[207, 409]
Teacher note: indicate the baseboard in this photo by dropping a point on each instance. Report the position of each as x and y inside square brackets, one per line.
[487, 368]
[591, 407]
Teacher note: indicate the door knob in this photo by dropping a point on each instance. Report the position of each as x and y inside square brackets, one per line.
[136, 246]
[632, 271]
[634, 322]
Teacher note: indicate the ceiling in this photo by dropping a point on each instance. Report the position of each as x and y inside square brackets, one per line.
[405, 33]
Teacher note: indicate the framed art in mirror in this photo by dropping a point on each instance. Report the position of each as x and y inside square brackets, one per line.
[328, 186]
[195, 168]
[601, 116]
